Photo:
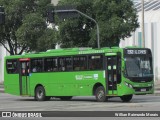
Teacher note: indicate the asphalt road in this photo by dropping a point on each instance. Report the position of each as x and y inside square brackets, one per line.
[138, 103]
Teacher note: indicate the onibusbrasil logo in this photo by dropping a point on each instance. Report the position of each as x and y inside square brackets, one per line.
[21, 114]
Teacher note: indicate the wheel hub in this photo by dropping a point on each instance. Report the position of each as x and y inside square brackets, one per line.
[100, 94]
[40, 94]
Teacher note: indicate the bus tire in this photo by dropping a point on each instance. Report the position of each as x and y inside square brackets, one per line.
[40, 94]
[66, 98]
[126, 98]
[100, 94]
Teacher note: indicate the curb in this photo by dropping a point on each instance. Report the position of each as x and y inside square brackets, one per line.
[157, 89]
[1, 85]
[157, 93]
[1, 90]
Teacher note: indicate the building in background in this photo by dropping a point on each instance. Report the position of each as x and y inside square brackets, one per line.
[152, 30]
[55, 2]
[152, 36]
[3, 53]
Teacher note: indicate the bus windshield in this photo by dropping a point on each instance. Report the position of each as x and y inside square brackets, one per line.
[138, 66]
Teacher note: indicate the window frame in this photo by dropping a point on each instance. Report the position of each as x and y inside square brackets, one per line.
[56, 58]
[80, 67]
[102, 58]
[31, 67]
[16, 70]
[72, 60]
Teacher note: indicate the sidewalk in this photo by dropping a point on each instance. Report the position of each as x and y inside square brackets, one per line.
[157, 87]
[1, 88]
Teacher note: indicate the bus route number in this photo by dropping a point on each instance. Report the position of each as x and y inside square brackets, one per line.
[139, 52]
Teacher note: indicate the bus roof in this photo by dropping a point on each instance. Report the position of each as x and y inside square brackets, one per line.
[69, 51]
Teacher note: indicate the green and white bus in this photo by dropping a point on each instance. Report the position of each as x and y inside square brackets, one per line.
[64, 73]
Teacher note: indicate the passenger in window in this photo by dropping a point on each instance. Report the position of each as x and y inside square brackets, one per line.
[82, 68]
[77, 67]
[50, 69]
[62, 68]
[34, 69]
[55, 69]
[92, 66]
[39, 67]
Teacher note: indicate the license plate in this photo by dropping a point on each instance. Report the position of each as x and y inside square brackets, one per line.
[143, 90]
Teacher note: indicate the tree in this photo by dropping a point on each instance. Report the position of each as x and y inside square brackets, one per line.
[116, 19]
[75, 32]
[25, 25]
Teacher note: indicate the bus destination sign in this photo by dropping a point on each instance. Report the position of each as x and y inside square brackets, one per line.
[136, 52]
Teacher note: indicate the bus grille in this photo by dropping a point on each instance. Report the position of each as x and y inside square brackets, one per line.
[142, 89]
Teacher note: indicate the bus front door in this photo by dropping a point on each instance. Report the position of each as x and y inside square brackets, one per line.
[24, 76]
[111, 75]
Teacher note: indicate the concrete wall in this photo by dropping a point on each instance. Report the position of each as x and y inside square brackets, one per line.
[54, 2]
[3, 53]
[152, 41]
[152, 30]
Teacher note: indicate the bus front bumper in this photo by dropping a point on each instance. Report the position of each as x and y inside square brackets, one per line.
[143, 90]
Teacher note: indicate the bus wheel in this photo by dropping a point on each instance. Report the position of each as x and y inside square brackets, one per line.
[66, 98]
[100, 94]
[126, 98]
[40, 94]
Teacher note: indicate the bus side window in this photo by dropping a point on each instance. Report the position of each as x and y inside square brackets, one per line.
[37, 65]
[68, 63]
[11, 66]
[61, 66]
[50, 64]
[80, 63]
[95, 62]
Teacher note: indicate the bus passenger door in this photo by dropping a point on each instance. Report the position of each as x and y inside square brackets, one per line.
[24, 76]
[111, 75]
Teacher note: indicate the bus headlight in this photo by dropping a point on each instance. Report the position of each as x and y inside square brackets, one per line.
[128, 85]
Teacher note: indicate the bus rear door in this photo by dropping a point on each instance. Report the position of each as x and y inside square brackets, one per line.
[24, 76]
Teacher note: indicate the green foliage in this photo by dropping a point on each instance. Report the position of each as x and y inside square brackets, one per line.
[31, 29]
[45, 42]
[25, 25]
[75, 32]
[116, 19]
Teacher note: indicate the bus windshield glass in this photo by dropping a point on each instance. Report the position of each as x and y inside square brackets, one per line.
[138, 66]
